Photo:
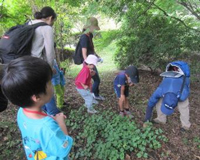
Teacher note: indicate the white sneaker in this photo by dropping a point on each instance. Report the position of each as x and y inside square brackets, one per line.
[95, 101]
[91, 110]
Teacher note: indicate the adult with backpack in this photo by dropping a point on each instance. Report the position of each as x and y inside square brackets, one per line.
[84, 48]
[172, 92]
[43, 45]
[35, 39]
[43, 39]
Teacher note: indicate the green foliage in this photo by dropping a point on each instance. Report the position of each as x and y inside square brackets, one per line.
[66, 65]
[10, 145]
[105, 38]
[196, 140]
[109, 136]
[153, 40]
[12, 13]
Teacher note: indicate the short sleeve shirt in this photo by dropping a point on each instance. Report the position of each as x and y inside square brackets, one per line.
[83, 77]
[43, 138]
[120, 79]
[86, 42]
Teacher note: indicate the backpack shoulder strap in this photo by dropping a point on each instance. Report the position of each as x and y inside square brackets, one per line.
[88, 35]
[38, 25]
[182, 86]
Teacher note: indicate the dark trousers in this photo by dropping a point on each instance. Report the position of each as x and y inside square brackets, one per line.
[96, 79]
[3, 101]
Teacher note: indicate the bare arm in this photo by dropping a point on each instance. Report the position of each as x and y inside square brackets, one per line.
[84, 53]
[60, 119]
[122, 98]
[122, 92]
[84, 86]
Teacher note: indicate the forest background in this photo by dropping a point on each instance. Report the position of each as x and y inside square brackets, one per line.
[145, 33]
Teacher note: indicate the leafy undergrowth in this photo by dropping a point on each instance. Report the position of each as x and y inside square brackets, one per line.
[10, 144]
[107, 136]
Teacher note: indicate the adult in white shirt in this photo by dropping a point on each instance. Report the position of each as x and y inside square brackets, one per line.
[43, 45]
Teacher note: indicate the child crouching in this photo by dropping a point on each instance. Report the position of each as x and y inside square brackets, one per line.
[83, 82]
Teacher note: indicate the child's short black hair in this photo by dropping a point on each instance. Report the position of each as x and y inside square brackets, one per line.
[25, 77]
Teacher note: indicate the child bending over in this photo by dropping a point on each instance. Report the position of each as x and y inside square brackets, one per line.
[122, 82]
[83, 82]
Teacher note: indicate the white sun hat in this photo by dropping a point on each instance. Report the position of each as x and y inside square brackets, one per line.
[91, 59]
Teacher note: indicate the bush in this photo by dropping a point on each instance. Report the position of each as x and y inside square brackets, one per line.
[109, 136]
[154, 41]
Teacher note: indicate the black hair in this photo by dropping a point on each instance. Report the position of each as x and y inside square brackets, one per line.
[83, 30]
[25, 77]
[45, 12]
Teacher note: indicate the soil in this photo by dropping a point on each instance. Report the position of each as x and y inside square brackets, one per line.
[181, 145]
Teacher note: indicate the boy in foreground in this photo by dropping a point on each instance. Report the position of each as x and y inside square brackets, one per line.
[122, 82]
[83, 82]
[27, 83]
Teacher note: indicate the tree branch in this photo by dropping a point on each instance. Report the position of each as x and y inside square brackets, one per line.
[151, 3]
[177, 19]
[190, 8]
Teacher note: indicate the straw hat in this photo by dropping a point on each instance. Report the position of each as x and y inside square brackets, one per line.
[91, 24]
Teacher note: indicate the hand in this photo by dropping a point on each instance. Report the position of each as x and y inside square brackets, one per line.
[100, 60]
[145, 125]
[60, 117]
[86, 87]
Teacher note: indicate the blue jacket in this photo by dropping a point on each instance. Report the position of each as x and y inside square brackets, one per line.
[59, 77]
[171, 84]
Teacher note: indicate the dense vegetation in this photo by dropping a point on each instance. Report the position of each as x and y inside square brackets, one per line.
[148, 33]
[151, 32]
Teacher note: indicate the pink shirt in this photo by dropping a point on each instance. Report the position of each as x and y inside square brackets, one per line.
[83, 77]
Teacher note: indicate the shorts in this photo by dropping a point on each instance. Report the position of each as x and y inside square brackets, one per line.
[118, 91]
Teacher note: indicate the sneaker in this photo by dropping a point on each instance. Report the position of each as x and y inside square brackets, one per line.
[121, 114]
[128, 114]
[91, 110]
[101, 98]
[158, 121]
[95, 101]
[184, 129]
[98, 97]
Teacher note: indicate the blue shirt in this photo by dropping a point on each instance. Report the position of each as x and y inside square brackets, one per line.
[120, 79]
[43, 138]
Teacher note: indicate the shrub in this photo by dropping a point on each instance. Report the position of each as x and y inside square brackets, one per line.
[154, 41]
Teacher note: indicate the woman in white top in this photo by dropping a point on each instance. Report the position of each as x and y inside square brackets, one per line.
[43, 46]
[43, 40]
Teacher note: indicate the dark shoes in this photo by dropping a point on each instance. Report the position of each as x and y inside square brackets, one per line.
[184, 129]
